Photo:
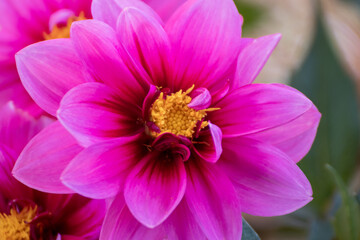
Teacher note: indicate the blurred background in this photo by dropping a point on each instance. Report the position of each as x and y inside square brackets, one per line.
[319, 55]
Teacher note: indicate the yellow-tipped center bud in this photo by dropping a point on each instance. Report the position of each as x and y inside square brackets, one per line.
[15, 226]
[172, 114]
[63, 31]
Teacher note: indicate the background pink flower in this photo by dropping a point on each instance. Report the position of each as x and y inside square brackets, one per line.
[40, 215]
[24, 22]
[163, 119]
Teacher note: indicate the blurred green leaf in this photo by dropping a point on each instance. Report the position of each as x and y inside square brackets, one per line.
[321, 230]
[347, 218]
[252, 13]
[248, 233]
[323, 80]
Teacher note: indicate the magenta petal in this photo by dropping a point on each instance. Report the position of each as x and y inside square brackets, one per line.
[253, 58]
[80, 216]
[119, 223]
[108, 11]
[267, 181]
[42, 161]
[93, 112]
[48, 70]
[17, 127]
[209, 144]
[100, 170]
[212, 200]
[181, 224]
[10, 188]
[300, 134]
[97, 45]
[257, 107]
[205, 37]
[145, 40]
[154, 188]
[165, 8]
[201, 99]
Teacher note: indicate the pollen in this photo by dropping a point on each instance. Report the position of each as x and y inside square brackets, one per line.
[63, 31]
[171, 114]
[15, 226]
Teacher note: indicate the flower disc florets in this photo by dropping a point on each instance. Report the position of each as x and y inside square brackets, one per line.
[16, 225]
[63, 31]
[172, 114]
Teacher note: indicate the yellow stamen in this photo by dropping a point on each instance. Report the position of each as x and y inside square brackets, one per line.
[172, 114]
[15, 226]
[64, 31]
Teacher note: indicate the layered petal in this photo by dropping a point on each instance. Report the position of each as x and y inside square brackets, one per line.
[181, 224]
[165, 8]
[9, 187]
[205, 37]
[98, 47]
[94, 112]
[108, 10]
[45, 157]
[100, 170]
[155, 187]
[17, 127]
[146, 45]
[48, 70]
[212, 200]
[208, 145]
[253, 57]
[296, 137]
[119, 223]
[81, 217]
[267, 181]
[257, 107]
[201, 99]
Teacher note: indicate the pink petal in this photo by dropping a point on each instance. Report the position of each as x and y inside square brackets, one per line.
[154, 188]
[119, 223]
[97, 45]
[165, 8]
[258, 107]
[93, 112]
[108, 11]
[201, 99]
[10, 188]
[42, 161]
[267, 181]
[17, 127]
[212, 200]
[100, 170]
[145, 40]
[81, 216]
[205, 36]
[299, 137]
[253, 57]
[48, 70]
[209, 144]
[181, 224]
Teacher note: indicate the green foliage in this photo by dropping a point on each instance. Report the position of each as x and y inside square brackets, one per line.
[251, 12]
[347, 218]
[248, 233]
[323, 80]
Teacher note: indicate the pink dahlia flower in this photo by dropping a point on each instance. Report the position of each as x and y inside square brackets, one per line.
[24, 22]
[29, 214]
[161, 118]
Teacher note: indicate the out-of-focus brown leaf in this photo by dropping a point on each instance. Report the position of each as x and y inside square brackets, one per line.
[343, 24]
[295, 20]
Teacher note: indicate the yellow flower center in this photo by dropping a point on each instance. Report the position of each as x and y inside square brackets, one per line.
[15, 226]
[63, 31]
[172, 114]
